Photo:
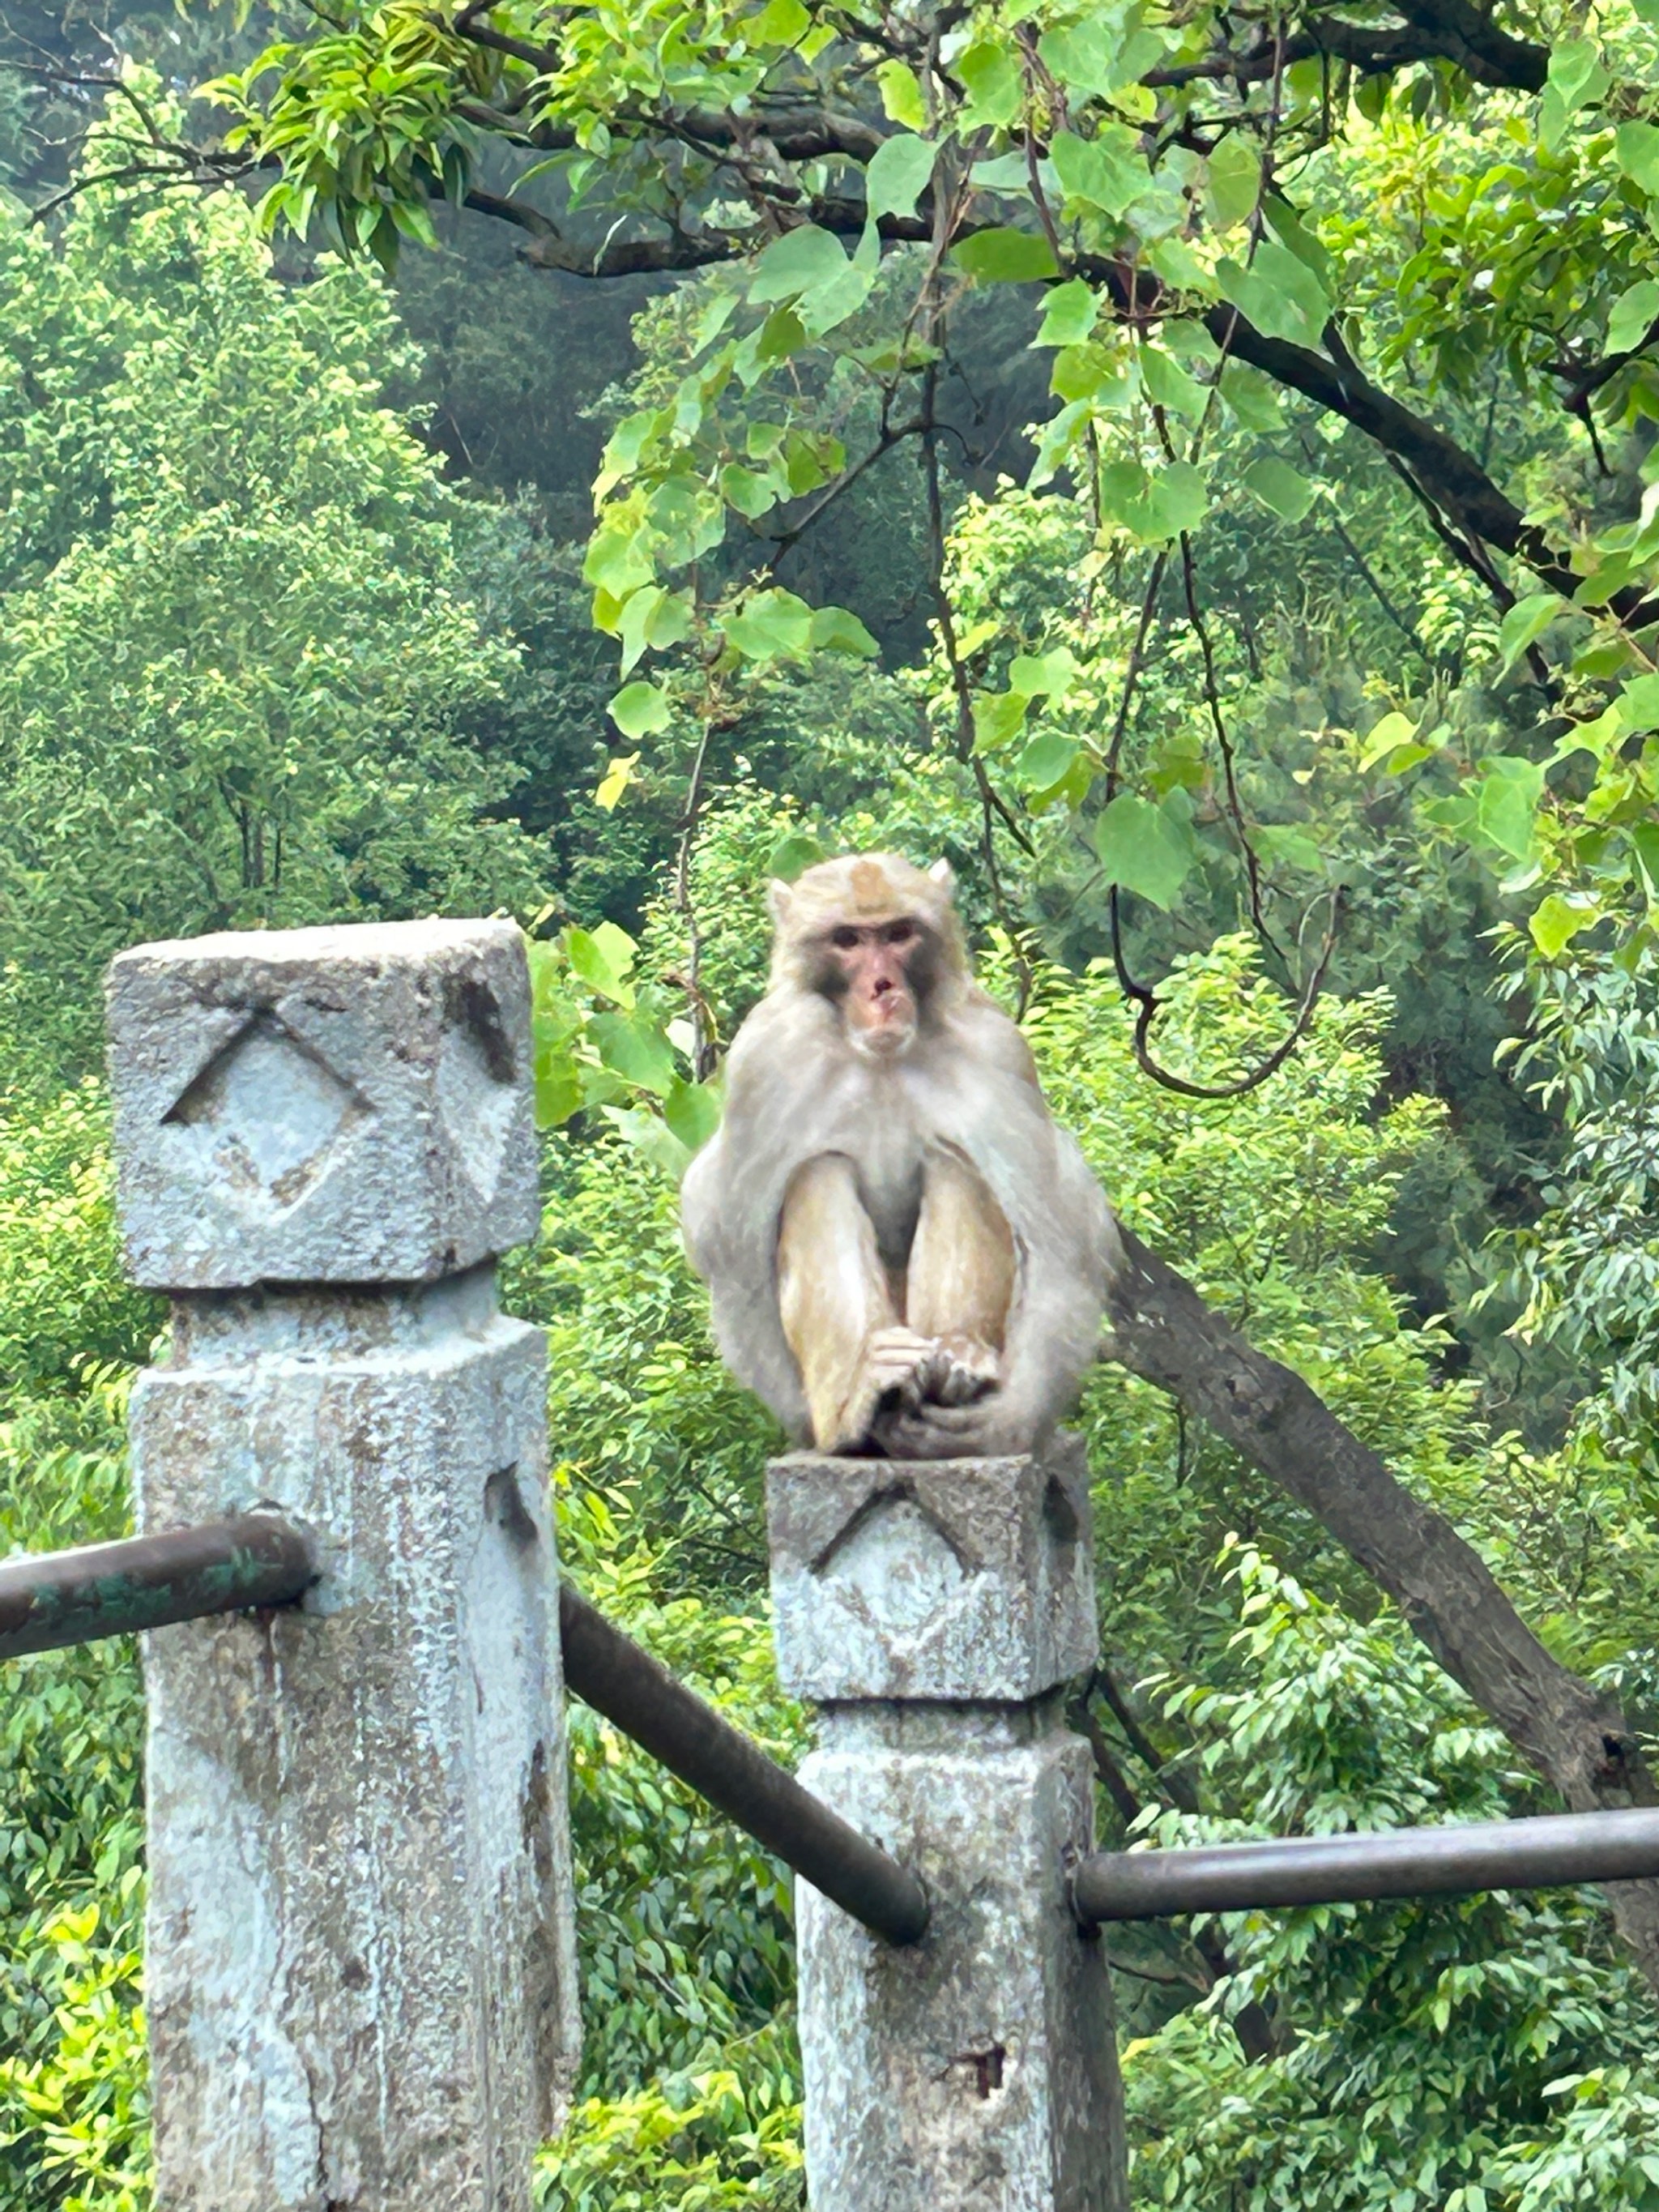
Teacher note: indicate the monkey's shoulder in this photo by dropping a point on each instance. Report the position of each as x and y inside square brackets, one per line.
[990, 1035]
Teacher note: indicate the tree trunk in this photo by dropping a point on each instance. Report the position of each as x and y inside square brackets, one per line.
[1578, 1739]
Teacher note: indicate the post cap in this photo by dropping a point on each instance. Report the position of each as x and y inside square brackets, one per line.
[962, 1580]
[348, 1104]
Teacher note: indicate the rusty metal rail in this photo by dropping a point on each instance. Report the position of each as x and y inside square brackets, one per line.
[57, 1598]
[1546, 1853]
[629, 1686]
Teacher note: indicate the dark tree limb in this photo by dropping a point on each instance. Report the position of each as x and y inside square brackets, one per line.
[1493, 58]
[1575, 1738]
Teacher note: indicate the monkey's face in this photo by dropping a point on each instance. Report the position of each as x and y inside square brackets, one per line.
[877, 973]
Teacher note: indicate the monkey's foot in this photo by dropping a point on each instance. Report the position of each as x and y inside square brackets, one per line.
[896, 1370]
[988, 1429]
[965, 1370]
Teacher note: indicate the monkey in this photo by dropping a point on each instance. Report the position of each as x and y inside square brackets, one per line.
[906, 1256]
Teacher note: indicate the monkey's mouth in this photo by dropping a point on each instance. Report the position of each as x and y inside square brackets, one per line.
[886, 1036]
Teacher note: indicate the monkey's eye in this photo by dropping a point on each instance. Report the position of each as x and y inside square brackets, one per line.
[844, 939]
[899, 932]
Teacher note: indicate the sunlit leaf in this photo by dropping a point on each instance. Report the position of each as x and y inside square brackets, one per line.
[635, 1050]
[1068, 315]
[616, 780]
[1556, 920]
[638, 709]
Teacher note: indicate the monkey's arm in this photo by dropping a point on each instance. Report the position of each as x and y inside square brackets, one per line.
[836, 1307]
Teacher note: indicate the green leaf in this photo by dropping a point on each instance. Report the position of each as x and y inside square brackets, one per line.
[1036, 674]
[638, 709]
[1105, 172]
[1005, 257]
[770, 626]
[692, 1111]
[1526, 623]
[792, 855]
[1179, 501]
[1277, 293]
[652, 1137]
[1144, 848]
[1155, 507]
[1252, 398]
[1068, 315]
[1506, 802]
[615, 781]
[1046, 760]
[633, 1050]
[897, 173]
[901, 96]
[1093, 56]
[558, 1087]
[1644, 838]
[1634, 314]
[992, 77]
[1282, 842]
[835, 631]
[1168, 384]
[1232, 181]
[800, 261]
[601, 959]
[1384, 737]
[779, 23]
[750, 495]
[1279, 486]
[1556, 920]
[998, 716]
[1636, 150]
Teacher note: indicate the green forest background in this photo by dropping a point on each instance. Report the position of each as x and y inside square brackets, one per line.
[305, 615]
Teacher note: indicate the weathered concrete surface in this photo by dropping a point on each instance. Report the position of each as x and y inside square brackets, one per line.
[933, 1611]
[975, 2071]
[361, 1983]
[346, 1105]
[360, 1976]
[957, 1578]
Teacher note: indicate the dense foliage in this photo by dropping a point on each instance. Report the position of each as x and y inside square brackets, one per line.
[1121, 448]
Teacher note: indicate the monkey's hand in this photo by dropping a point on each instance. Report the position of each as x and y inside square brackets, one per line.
[897, 1370]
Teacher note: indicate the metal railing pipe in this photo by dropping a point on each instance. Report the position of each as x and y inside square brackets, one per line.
[623, 1681]
[55, 1598]
[1544, 1853]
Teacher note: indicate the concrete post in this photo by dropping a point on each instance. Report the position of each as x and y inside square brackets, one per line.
[360, 1977]
[932, 1612]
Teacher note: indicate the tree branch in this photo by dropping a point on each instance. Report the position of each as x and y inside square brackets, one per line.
[1574, 1737]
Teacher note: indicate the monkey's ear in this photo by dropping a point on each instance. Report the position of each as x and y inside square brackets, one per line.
[944, 875]
[779, 899]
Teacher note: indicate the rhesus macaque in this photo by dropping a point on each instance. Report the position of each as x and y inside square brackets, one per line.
[905, 1255]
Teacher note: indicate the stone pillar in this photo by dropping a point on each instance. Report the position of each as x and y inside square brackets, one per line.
[361, 1978]
[932, 1612]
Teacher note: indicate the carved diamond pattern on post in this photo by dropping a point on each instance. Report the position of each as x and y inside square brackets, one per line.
[894, 1563]
[267, 1115]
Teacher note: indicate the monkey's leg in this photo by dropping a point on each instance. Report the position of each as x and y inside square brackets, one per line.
[961, 1279]
[836, 1307]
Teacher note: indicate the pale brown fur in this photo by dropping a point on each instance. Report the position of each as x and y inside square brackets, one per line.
[904, 1254]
